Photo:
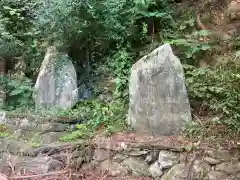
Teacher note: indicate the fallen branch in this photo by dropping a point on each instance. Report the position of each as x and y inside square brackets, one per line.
[39, 175]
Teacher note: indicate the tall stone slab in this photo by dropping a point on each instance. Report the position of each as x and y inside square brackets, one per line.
[56, 85]
[159, 103]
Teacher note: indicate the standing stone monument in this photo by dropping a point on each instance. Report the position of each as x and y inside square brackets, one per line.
[56, 85]
[159, 102]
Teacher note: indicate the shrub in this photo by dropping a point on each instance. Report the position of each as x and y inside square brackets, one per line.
[218, 90]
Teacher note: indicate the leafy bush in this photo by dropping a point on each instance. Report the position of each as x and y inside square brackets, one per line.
[218, 90]
[120, 67]
[97, 115]
[19, 93]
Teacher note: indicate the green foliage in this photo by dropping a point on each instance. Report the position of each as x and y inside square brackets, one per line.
[186, 38]
[120, 65]
[193, 129]
[218, 90]
[15, 26]
[3, 131]
[97, 115]
[19, 93]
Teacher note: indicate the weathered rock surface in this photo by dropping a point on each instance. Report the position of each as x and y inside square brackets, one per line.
[156, 169]
[232, 167]
[167, 159]
[42, 164]
[114, 168]
[136, 166]
[216, 175]
[177, 172]
[56, 85]
[159, 102]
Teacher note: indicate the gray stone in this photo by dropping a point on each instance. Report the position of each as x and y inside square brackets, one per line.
[212, 161]
[101, 154]
[200, 168]
[25, 124]
[156, 170]
[167, 158]
[52, 127]
[13, 146]
[159, 102]
[177, 172]
[180, 171]
[38, 164]
[2, 117]
[152, 156]
[23, 134]
[41, 164]
[114, 168]
[77, 153]
[119, 157]
[232, 167]
[54, 165]
[56, 85]
[222, 155]
[51, 137]
[138, 167]
[216, 175]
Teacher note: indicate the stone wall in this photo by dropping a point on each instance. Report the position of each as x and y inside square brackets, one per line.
[122, 154]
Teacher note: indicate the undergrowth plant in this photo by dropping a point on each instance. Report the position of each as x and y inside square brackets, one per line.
[19, 93]
[97, 115]
[218, 90]
[120, 65]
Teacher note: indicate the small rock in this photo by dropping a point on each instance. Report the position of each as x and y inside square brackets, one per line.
[52, 127]
[137, 166]
[25, 125]
[177, 172]
[101, 154]
[167, 158]
[151, 157]
[13, 146]
[156, 170]
[183, 157]
[216, 175]
[119, 158]
[23, 134]
[36, 164]
[3, 117]
[54, 165]
[222, 155]
[229, 167]
[51, 137]
[201, 167]
[212, 161]
[114, 168]
[78, 153]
